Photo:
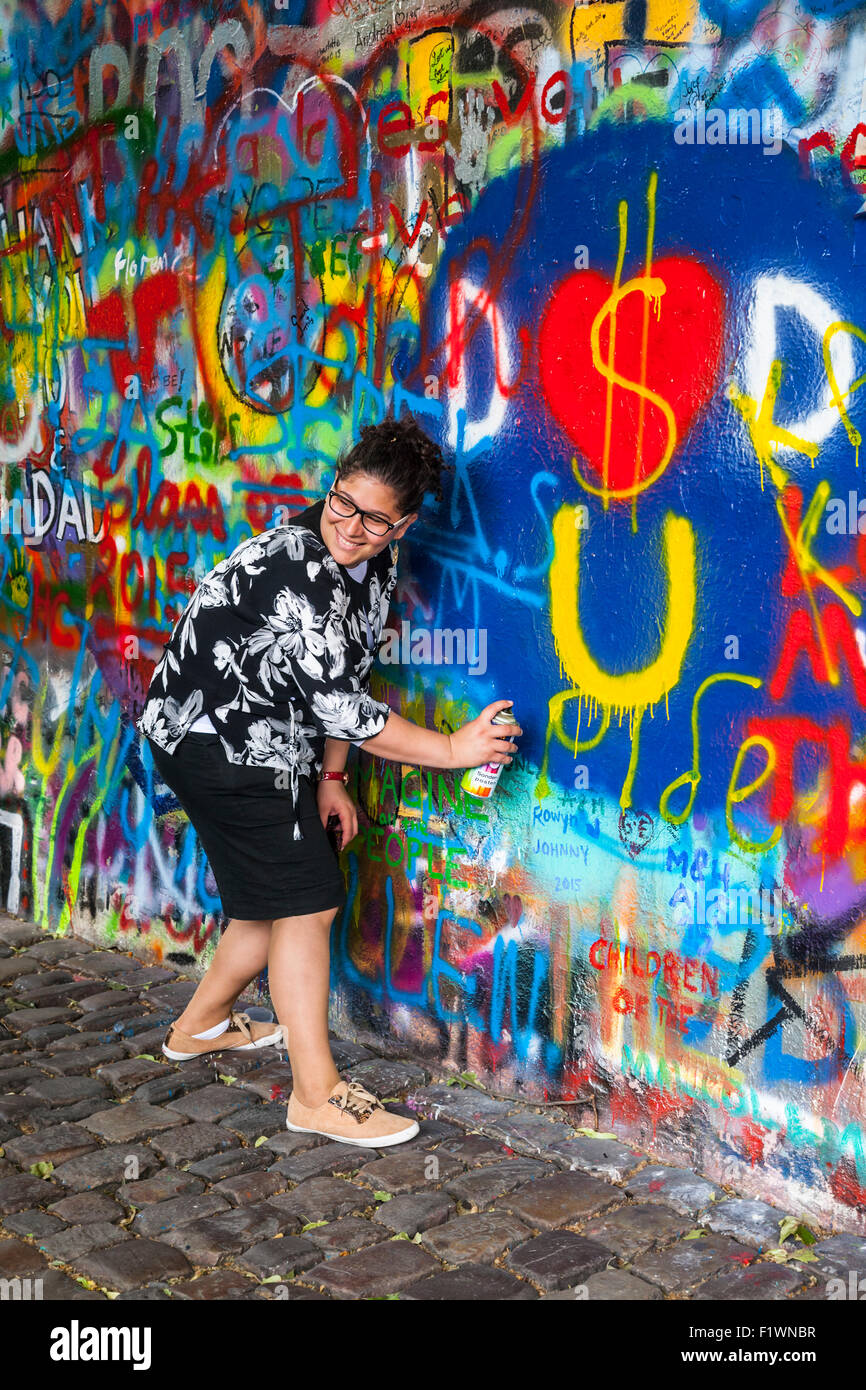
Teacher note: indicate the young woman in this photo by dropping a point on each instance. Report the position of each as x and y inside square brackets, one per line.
[261, 687]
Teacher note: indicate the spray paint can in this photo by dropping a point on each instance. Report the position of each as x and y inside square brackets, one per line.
[481, 781]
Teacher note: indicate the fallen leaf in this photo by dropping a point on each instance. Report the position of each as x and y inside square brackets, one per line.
[787, 1227]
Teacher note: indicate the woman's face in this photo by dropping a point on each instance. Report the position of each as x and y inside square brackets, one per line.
[347, 538]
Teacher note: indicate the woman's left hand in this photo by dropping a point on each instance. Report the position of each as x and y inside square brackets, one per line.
[334, 800]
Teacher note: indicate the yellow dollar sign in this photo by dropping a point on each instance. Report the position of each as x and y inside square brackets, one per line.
[652, 288]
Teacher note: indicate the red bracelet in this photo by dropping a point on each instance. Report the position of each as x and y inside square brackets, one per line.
[333, 776]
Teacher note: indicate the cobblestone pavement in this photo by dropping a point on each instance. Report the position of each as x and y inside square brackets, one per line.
[126, 1175]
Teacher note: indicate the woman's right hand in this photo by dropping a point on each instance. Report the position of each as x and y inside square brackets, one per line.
[479, 741]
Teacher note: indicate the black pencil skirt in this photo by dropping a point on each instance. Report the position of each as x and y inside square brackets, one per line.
[243, 821]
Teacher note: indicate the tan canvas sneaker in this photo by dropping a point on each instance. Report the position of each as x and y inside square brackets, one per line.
[351, 1115]
[242, 1035]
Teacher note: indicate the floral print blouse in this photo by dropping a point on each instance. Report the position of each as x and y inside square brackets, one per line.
[276, 645]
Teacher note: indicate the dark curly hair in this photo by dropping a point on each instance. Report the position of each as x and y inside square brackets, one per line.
[399, 454]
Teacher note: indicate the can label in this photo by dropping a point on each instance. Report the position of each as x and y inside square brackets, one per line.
[480, 781]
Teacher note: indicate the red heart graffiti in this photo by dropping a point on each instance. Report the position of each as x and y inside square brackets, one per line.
[684, 325]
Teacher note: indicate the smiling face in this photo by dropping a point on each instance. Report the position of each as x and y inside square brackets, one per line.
[346, 537]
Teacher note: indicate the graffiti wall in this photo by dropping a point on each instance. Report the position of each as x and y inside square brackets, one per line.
[612, 256]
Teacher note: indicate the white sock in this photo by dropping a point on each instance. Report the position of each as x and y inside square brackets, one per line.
[212, 1032]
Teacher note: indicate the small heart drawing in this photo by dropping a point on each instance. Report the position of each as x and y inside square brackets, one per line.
[679, 311]
[635, 831]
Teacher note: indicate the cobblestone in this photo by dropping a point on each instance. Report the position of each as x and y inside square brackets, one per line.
[22, 1021]
[558, 1258]
[347, 1234]
[210, 1103]
[18, 1193]
[106, 1167]
[60, 1091]
[104, 1020]
[407, 1172]
[838, 1255]
[135, 1120]
[347, 1054]
[32, 1222]
[759, 1281]
[603, 1158]
[190, 1143]
[323, 1199]
[480, 1187]
[372, 1273]
[84, 1207]
[478, 1237]
[175, 995]
[108, 999]
[78, 1240]
[230, 1163]
[15, 1079]
[559, 1200]
[58, 1287]
[99, 963]
[272, 1082]
[49, 1115]
[124, 1077]
[617, 1284]
[208, 1241]
[688, 1263]
[15, 1108]
[386, 1078]
[414, 1212]
[754, 1223]
[18, 1259]
[474, 1150]
[633, 1229]
[287, 1257]
[471, 1284]
[529, 1134]
[673, 1187]
[253, 1121]
[158, 1217]
[162, 1187]
[493, 1200]
[313, 1163]
[78, 1061]
[133, 1263]
[56, 1145]
[469, 1107]
[53, 948]
[223, 1283]
[249, 1187]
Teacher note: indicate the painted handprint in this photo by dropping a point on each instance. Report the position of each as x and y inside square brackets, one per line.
[476, 121]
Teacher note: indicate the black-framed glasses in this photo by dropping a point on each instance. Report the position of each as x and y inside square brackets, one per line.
[376, 525]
